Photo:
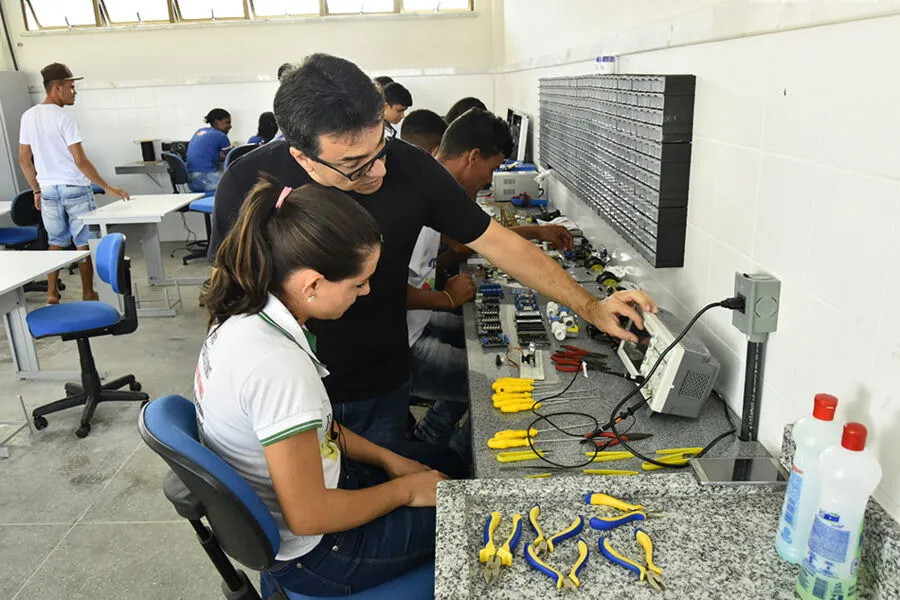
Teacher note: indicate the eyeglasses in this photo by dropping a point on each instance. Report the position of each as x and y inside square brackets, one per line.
[359, 172]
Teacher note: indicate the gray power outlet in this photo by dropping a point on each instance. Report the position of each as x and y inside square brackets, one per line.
[762, 295]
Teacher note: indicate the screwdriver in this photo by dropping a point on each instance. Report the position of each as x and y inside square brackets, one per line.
[521, 433]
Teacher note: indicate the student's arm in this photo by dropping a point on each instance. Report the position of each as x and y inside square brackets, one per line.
[460, 288]
[26, 161]
[557, 235]
[87, 167]
[362, 450]
[309, 508]
[528, 264]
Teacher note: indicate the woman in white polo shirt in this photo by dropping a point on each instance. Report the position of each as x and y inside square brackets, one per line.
[351, 514]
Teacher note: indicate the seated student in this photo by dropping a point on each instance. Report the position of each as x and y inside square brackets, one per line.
[425, 129]
[207, 148]
[462, 106]
[383, 80]
[471, 149]
[396, 100]
[266, 130]
[295, 255]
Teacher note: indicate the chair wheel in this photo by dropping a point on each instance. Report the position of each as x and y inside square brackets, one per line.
[71, 390]
[83, 431]
[134, 386]
[40, 422]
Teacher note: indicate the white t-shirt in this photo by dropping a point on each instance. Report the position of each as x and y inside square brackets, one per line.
[422, 271]
[50, 130]
[255, 386]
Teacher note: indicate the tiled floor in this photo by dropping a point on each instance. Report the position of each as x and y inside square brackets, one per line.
[86, 518]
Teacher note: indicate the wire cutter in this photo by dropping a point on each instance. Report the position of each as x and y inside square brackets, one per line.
[569, 358]
[629, 512]
[493, 557]
[570, 581]
[648, 572]
[608, 439]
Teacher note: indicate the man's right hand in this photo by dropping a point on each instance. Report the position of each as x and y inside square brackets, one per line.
[37, 201]
[422, 487]
[114, 191]
[461, 288]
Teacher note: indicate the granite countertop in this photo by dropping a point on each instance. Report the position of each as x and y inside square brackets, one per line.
[714, 541]
[605, 390]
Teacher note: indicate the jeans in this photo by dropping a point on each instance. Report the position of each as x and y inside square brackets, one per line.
[440, 373]
[62, 207]
[204, 181]
[381, 550]
[380, 419]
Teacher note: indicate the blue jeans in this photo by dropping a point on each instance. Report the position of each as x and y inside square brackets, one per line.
[381, 550]
[62, 207]
[380, 419]
[204, 181]
[440, 374]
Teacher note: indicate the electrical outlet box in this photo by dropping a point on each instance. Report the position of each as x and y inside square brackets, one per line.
[762, 295]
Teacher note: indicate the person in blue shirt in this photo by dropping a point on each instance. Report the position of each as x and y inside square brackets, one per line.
[206, 149]
[266, 130]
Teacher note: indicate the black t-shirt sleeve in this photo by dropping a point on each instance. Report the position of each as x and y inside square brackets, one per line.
[450, 210]
[230, 194]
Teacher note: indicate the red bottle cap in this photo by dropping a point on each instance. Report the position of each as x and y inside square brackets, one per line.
[824, 407]
[854, 437]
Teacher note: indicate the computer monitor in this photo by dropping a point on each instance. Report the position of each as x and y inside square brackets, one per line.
[518, 126]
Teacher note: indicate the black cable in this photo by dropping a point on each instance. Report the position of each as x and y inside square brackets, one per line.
[728, 303]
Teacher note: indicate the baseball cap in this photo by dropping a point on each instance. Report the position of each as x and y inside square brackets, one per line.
[58, 72]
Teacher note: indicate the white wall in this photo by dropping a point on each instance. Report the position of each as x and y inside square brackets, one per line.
[795, 172]
[158, 83]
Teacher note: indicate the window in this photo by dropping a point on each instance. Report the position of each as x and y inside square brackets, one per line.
[60, 14]
[435, 5]
[193, 10]
[42, 14]
[135, 11]
[284, 8]
[344, 7]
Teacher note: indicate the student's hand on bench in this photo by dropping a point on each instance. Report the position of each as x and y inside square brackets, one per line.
[399, 466]
[423, 487]
[557, 235]
[461, 289]
[114, 191]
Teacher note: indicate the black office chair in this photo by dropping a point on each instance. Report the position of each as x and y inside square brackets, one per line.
[25, 216]
[81, 321]
[178, 175]
[239, 151]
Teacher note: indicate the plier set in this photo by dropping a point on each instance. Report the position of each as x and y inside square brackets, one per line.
[539, 551]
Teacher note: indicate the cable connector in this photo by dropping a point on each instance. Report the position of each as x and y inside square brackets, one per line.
[734, 303]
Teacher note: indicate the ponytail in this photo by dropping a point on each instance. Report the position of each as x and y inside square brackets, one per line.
[315, 227]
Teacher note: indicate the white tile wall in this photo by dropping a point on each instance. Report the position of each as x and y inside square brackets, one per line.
[795, 172]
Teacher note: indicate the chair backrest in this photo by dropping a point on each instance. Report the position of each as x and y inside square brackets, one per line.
[22, 210]
[239, 151]
[243, 525]
[112, 267]
[177, 170]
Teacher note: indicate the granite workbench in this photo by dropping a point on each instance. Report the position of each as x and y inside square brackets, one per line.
[714, 542]
[605, 392]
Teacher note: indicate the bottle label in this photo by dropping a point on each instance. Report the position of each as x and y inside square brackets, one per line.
[791, 501]
[828, 545]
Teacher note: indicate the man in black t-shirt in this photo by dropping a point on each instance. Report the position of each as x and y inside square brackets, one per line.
[331, 115]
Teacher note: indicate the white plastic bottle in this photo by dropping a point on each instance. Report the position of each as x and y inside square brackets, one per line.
[812, 434]
[849, 475]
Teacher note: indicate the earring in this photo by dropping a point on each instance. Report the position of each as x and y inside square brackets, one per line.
[310, 299]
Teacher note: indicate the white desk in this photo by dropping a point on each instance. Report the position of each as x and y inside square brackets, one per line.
[18, 267]
[4, 208]
[147, 211]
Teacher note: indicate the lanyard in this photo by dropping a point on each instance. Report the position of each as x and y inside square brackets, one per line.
[271, 322]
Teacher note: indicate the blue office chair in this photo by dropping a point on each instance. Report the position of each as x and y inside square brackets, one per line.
[81, 321]
[178, 174]
[239, 151]
[201, 484]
